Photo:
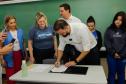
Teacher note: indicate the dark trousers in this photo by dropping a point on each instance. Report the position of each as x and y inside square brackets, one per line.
[70, 53]
[40, 54]
[115, 66]
[93, 57]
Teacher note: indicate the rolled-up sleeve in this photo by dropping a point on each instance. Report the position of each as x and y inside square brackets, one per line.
[88, 40]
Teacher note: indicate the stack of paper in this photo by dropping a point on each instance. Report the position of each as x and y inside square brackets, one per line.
[61, 68]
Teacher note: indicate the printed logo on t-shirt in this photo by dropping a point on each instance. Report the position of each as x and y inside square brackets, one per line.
[43, 35]
[117, 35]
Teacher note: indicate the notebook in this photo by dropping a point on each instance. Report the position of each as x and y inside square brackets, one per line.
[76, 70]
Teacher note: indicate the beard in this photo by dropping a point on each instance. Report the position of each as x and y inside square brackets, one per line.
[66, 35]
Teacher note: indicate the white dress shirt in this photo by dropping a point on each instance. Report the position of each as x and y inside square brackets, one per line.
[80, 36]
[72, 19]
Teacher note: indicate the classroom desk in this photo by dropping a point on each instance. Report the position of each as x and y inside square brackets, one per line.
[95, 75]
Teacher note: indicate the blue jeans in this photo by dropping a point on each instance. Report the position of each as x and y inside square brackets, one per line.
[115, 66]
[124, 61]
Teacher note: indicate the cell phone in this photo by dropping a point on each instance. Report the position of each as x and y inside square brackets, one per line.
[12, 41]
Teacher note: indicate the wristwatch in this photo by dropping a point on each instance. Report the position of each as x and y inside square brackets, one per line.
[75, 61]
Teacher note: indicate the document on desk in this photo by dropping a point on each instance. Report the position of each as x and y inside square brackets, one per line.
[59, 69]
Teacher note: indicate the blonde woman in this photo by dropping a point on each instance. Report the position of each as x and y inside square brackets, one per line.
[41, 40]
[13, 59]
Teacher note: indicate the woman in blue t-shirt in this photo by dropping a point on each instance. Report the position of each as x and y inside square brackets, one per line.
[41, 40]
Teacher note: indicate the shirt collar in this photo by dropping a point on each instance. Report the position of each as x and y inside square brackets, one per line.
[70, 17]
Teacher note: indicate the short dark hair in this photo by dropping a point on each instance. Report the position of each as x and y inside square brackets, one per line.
[66, 7]
[59, 24]
[90, 19]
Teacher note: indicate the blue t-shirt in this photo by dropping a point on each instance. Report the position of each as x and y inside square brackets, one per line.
[95, 34]
[42, 38]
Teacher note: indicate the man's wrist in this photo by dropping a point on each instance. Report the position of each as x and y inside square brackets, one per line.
[58, 60]
[75, 61]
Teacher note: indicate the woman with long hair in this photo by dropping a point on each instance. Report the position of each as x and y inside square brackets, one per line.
[14, 58]
[115, 43]
[41, 40]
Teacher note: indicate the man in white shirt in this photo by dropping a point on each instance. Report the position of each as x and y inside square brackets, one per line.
[77, 35]
[65, 12]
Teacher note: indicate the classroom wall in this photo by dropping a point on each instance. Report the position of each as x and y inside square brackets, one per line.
[102, 10]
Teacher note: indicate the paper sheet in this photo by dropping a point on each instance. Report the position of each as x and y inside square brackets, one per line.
[62, 68]
[39, 68]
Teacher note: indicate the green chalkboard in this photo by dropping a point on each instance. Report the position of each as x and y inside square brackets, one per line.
[102, 10]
